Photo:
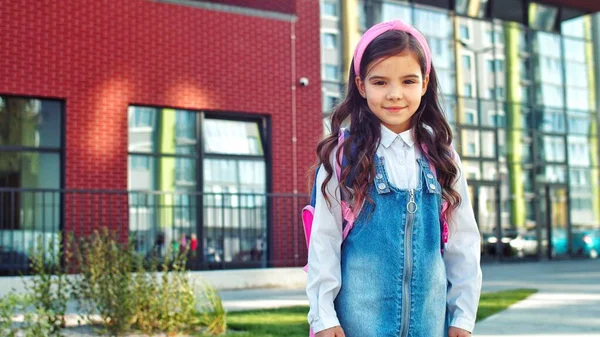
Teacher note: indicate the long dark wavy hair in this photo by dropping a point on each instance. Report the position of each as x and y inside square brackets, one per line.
[428, 123]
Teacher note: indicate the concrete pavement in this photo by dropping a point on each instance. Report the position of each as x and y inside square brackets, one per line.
[567, 302]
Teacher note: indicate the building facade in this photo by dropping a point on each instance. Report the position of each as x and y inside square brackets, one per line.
[519, 80]
[175, 123]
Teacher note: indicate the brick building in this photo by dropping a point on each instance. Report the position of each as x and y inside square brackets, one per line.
[169, 121]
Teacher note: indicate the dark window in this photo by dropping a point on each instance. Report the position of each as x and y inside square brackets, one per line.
[30, 158]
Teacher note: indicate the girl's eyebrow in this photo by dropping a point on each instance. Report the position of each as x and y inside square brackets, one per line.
[377, 77]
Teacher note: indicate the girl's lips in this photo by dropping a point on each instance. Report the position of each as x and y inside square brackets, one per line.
[394, 109]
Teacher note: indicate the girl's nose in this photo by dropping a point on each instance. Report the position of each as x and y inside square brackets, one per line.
[394, 94]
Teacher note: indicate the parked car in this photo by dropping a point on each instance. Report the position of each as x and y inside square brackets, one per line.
[13, 262]
[591, 243]
[526, 243]
[490, 242]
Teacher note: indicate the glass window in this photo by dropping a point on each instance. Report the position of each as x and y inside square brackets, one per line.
[574, 49]
[30, 123]
[329, 8]
[470, 143]
[578, 98]
[161, 131]
[330, 41]
[547, 44]
[472, 169]
[550, 120]
[474, 8]
[583, 182]
[574, 27]
[30, 158]
[362, 15]
[496, 119]
[232, 163]
[490, 172]
[232, 137]
[329, 102]
[466, 59]
[488, 142]
[550, 95]
[468, 90]
[449, 104]
[437, 27]
[542, 17]
[552, 174]
[470, 117]
[580, 151]
[577, 74]
[465, 33]
[551, 148]
[393, 11]
[499, 66]
[331, 72]
[500, 92]
[580, 122]
[502, 150]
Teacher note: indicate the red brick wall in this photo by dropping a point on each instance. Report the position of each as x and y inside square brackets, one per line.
[101, 56]
[283, 6]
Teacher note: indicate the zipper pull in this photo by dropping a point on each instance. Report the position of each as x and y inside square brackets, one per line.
[411, 206]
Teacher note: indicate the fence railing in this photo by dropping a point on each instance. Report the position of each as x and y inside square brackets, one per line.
[218, 230]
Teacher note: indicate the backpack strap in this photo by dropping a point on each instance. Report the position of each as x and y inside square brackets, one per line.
[348, 216]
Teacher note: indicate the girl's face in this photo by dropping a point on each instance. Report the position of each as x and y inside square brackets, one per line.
[393, 88]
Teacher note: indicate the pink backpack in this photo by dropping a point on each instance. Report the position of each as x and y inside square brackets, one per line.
[348, 216]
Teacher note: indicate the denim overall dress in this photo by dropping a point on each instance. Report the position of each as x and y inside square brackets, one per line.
[393, 274]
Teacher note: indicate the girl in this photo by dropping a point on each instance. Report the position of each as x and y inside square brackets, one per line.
[390, 277]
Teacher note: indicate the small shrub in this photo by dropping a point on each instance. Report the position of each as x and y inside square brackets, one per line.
[50, 288]
[105, 284]
[35, 323]
[212, 313]
[166, 303]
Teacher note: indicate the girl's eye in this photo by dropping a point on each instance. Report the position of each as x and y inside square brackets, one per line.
[379, 83]
[410, 82]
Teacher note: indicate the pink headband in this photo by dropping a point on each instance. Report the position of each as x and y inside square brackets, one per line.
[383, 27]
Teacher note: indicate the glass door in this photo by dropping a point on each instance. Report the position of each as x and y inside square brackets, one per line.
[485, 207]
[556, 222]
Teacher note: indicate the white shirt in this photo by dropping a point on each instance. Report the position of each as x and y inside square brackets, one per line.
[461, 253]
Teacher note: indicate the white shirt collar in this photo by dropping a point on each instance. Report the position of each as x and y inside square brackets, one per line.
[388, 137]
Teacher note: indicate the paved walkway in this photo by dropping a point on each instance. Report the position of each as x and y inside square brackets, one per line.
[567, 304]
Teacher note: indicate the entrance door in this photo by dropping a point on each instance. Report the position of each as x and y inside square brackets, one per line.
[485, 206]
[554, 222]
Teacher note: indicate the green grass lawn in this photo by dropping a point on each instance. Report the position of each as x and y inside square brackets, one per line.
[291, 322]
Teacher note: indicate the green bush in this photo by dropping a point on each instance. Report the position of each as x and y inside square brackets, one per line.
[212, 315]
[166, 303]
[105, 287]
[35, 323]
[118, 285]
[49, 288]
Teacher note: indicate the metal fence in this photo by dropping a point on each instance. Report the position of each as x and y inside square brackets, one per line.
[217, 230]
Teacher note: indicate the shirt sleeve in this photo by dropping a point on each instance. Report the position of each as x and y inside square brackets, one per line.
[324, 270]
[462, 254]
